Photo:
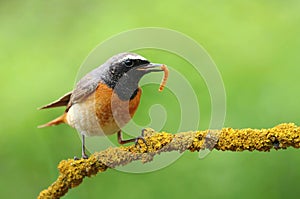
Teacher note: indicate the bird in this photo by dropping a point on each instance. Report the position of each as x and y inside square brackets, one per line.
[106, 98]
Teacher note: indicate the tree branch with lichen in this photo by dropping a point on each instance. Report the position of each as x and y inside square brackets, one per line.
[72, 172]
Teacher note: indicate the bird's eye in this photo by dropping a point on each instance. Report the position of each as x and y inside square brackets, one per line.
[129, 63]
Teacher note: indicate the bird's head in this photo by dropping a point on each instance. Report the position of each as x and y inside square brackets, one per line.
[125, 70]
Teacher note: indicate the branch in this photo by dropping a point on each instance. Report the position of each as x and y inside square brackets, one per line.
[72, 172]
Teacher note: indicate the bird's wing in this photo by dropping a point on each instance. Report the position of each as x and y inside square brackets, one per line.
[63, 101]
[86, 86]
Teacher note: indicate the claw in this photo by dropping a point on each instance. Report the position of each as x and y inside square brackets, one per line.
[143, 132]
[83, 157]
[76, 158]
[140, 138]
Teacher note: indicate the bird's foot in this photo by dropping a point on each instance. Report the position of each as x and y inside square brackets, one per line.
[135, 140]
[141, 137]
[84, 156]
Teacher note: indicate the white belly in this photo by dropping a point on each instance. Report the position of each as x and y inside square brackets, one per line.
[82, 117]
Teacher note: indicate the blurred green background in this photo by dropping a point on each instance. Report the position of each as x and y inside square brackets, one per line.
[255, 45]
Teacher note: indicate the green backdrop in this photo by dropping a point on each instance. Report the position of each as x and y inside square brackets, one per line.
[255, 45]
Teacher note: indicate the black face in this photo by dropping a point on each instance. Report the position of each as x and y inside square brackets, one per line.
[131, 63]
[125, 71]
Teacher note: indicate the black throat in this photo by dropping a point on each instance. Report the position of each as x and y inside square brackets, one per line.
[125, 93]
[125, 87]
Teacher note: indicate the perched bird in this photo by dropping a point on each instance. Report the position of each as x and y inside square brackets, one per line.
[106, 98]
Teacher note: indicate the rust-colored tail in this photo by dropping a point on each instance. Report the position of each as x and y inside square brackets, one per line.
[59, 120]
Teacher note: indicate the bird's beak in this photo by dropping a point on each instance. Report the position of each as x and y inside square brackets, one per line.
[152, 67]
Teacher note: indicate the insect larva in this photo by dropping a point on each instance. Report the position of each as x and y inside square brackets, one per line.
[165, 78]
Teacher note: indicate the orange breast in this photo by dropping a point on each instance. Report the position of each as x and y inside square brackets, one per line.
[111, 111]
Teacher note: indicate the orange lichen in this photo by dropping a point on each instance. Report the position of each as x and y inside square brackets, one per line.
[72, 172]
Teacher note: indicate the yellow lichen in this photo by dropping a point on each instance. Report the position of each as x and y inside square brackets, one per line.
[72, 172]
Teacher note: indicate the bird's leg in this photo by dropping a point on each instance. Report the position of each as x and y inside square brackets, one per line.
[83, 153]
[135, 140]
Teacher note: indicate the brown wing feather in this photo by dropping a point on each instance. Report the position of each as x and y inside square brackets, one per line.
[63, 101]
[86, 86]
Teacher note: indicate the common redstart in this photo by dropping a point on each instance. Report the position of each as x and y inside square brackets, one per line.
[106, 98]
